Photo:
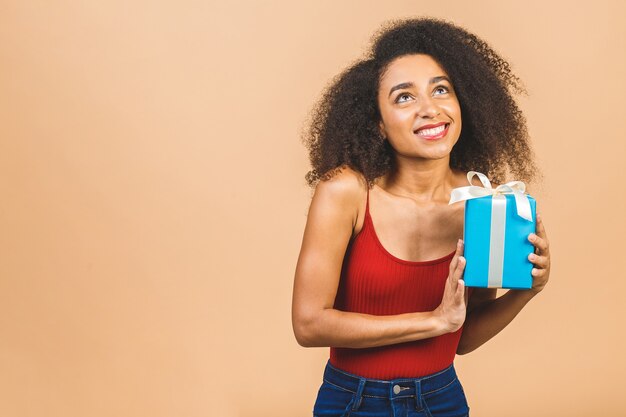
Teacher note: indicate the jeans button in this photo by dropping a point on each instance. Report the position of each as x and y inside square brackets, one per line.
[396, 389]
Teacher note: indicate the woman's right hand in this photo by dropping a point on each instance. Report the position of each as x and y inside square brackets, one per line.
[451, 311]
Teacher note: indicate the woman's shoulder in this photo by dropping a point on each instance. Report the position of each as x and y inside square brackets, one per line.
[345, 183]
[343, 194]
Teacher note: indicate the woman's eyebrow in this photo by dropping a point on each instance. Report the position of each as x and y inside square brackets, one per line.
[400, 86]
[439, 78]
[410, 84]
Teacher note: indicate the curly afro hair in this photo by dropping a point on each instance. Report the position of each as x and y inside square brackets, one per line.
[343, 128]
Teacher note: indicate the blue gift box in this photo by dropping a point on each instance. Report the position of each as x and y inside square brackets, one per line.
[515, 267]
[497, 224]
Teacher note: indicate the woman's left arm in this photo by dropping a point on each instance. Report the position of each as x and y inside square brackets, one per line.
[489, 317]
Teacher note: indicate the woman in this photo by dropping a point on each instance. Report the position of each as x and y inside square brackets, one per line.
[378, 278]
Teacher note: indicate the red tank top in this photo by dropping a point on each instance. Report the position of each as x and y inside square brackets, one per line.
[373, 281]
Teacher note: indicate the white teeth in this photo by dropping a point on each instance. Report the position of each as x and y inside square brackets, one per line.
[431, 132]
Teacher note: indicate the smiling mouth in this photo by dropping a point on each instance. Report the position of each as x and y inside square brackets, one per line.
[433, 133]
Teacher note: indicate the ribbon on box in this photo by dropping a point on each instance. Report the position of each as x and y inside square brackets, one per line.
[498, 216]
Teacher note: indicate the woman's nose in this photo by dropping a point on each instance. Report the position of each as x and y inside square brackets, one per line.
[427, 108]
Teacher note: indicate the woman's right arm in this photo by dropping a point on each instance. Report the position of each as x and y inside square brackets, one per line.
[331, 219]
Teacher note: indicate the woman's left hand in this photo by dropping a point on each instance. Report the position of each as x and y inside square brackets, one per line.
[541, 257]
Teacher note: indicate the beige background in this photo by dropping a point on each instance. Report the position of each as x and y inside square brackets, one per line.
[153, 202]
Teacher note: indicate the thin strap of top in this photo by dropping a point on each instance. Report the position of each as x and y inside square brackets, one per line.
[367, 202]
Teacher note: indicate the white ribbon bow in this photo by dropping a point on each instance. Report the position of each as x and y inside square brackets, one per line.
[517, 188]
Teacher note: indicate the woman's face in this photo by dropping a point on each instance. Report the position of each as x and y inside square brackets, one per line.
[421, 115]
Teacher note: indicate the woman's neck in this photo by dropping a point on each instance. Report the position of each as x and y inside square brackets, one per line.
[425, 180]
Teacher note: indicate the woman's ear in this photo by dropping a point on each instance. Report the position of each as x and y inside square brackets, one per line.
[381, 126]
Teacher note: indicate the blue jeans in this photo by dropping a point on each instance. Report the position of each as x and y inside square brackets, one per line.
[347, 395]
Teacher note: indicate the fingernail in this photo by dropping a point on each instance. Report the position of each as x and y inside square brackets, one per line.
[532, 257]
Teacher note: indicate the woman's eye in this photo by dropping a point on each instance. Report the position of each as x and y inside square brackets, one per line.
[441, 88]
[400, 96]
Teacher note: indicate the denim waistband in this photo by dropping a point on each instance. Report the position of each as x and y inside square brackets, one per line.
[391, 389]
